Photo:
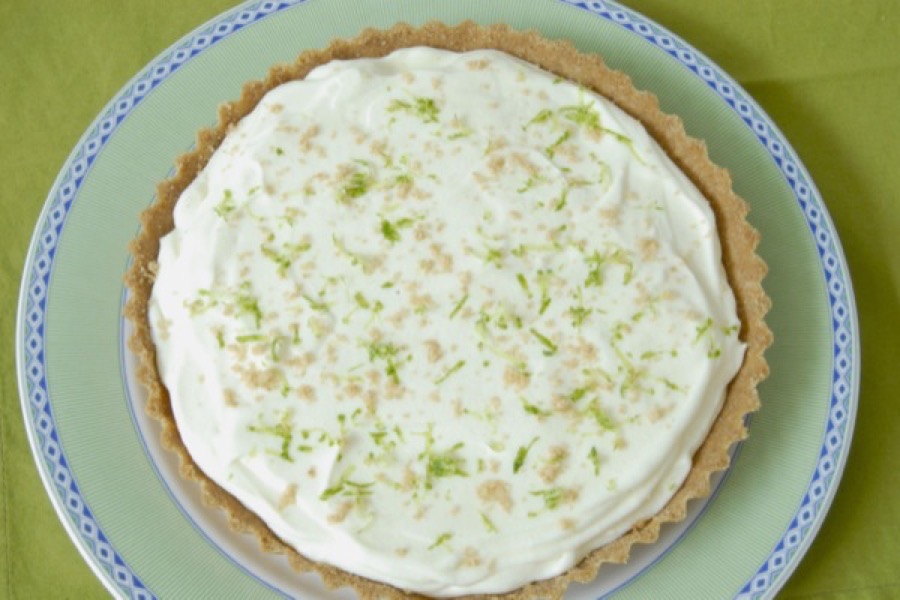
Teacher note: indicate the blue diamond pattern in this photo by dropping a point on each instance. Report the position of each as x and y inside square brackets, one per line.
[87, 528]
[68, 190]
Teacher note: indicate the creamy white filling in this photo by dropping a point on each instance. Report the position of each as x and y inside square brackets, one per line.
[443, 320]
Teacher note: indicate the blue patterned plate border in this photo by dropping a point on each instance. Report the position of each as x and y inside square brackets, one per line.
[64, 491]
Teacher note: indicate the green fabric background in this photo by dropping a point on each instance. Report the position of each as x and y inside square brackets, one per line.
[827, 72]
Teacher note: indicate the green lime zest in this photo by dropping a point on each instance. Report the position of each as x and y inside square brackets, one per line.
[549, 347]
[600, 416]
[248, 304]
[533, 409]
[703, 329]
[421, 107]
[551, 149]
[541, 117]
[595, 459]
[386, 352]
[579, 314]
[315, 304]
[250, 337]
[552, 497]
[583, 115]
[456, 367]
[282, 430]
[441, 540]
[522, 454]
[523, 283]
[226, 206]
[543, 279]
[348, 488]
[356, 183]
[488, 524]
[444, 464]
[391, 230]
[561, 202]
[285, 257]
[459, 305]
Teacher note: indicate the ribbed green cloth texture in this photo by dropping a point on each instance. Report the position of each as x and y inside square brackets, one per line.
[827, 72]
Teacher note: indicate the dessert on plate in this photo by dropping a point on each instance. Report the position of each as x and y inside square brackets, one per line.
[449, 311]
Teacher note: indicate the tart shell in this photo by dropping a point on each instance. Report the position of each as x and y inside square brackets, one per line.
[744, 269]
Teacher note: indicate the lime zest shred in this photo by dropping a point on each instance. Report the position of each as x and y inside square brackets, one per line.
[357, 182]
[552, 497]
[523, 283]
[248, 304]
[456, 367]
[671, 385]
[315, 304]
[460, 134]
[703, 329]
[561, 202]
[545, 302]
[493, 256]
[600, 416]
[421, 107]
[542, 116]
[488, 524]
[388, 353]
[459, 305]
[250, 337]
[579, 314]
[442, 464]
[282, 430]
[361, 301]
[579, 393]
[530, 183]
[522, 454]
[595, 459]
[441, 540]
[595, 270]
[286, 257]
[583, 115]
[597, 262]
[543, 278]
[204, 301]
[348, 488]
[549, 347]
[391, 230]
[227, 206]
[550, 150]
[533, 409]
[366, 263]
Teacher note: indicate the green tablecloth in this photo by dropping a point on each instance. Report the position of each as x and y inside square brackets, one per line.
[827, 72]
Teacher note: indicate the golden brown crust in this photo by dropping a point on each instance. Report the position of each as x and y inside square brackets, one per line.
[744, 268]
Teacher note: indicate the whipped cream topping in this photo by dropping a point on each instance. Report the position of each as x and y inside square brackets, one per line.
[443, 320]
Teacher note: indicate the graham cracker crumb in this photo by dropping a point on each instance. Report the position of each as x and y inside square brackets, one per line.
[496, 491]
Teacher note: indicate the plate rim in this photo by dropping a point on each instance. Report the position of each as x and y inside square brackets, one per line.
[786, 553]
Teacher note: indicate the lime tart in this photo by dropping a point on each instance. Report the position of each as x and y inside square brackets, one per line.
[449, 311]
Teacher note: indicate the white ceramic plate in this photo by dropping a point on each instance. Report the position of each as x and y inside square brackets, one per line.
[142, 528]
